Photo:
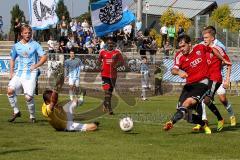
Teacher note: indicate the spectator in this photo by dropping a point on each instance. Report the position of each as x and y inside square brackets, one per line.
[180, 31]
[73, 24]
[51, 48]
[85, 26]
[62, 47]
[167, 49]
[163, 32]
[171, 34]
[17, 27]
[64, 27]
[120, 37]
[1, 24]
[158, 75]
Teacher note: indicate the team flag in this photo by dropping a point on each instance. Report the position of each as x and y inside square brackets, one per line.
[42, 13]
[110, 15]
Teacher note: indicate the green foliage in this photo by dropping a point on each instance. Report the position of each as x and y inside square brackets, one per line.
[223, 17]
[153, 33]
[170, 17]
[86, 16]
[16, 12]
[62, 10]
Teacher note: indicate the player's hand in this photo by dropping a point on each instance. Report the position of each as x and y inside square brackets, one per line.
[33, 67]
[11, 76]
[183, 75]
[226, 84]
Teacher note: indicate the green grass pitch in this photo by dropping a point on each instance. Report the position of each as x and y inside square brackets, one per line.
[147, 141]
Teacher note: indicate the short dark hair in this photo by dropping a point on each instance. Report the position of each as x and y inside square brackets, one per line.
[72, 50]
[47, 96]
[144, 57]
[184, 38]
[211, 30]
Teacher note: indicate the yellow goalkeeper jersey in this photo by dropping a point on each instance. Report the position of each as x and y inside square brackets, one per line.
[56, 117]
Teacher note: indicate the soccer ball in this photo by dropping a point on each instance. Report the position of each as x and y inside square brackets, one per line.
[126, 124]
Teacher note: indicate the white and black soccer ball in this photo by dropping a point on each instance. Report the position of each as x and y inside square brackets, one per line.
[126, 124]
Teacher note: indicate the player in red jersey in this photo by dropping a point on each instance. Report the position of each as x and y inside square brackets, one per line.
[190, 64]
[110, 59]
[215, 75]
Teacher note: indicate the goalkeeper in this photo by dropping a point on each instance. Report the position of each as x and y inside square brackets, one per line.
[61, 117]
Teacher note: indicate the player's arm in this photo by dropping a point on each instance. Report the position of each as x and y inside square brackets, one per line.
[54, 99]
[13, 55]
[176, 68]
[180, 73]
[217, 53]
[43, 57]
[228, 74]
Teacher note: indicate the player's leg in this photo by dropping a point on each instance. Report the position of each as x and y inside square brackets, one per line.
[13, 86]
[108, 86]
[71, 88]
[208, 100]
[29, 90]
[223, 99]
[74, 126]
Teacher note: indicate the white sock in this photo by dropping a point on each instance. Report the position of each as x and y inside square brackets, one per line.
[228, 107]
[31, 108]
[204, 115]
[71, 94]
[13, 102]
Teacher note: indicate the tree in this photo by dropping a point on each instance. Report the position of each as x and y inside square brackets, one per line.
[170, 17]
[16, 12]
[62, 10]
[84, 16]
[223, 16]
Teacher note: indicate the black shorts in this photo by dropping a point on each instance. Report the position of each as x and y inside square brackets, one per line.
[195, 90]
[108, 83]
[212, 88]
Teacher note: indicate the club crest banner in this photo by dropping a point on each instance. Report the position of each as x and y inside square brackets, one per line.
[42, 13]
[110, 15]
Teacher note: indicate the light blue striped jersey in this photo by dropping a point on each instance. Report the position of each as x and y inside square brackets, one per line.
[73, 68]
[26, 55]
[144, 69]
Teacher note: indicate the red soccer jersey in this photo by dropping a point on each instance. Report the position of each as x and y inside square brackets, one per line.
[215, 64]
[110, 60]
[194, 63]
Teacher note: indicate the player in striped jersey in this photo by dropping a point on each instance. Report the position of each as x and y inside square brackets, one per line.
[27, 52]
[72, 73]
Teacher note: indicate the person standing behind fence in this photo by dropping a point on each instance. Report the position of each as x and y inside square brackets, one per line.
[17, 27]
[110, 59]
[27, 52]
[163, 32]
[158, 75]
[72, 74]
[171, 34]
[145, 75]
[51, 48]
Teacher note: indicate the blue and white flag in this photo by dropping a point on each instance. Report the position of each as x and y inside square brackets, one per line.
[110, 15]
[42, 13]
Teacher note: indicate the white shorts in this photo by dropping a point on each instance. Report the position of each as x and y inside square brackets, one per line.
[221, 90]
[28, 85]
[73, 126]
[74, 81]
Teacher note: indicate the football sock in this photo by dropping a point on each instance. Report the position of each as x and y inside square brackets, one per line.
[13, 102]
[215, 111]
[31, 108]
[143, 93]
[71, 94]
[228, 107]
[178, 115]
[204, 115]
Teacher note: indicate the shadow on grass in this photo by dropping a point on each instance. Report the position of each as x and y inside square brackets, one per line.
[19, 150]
